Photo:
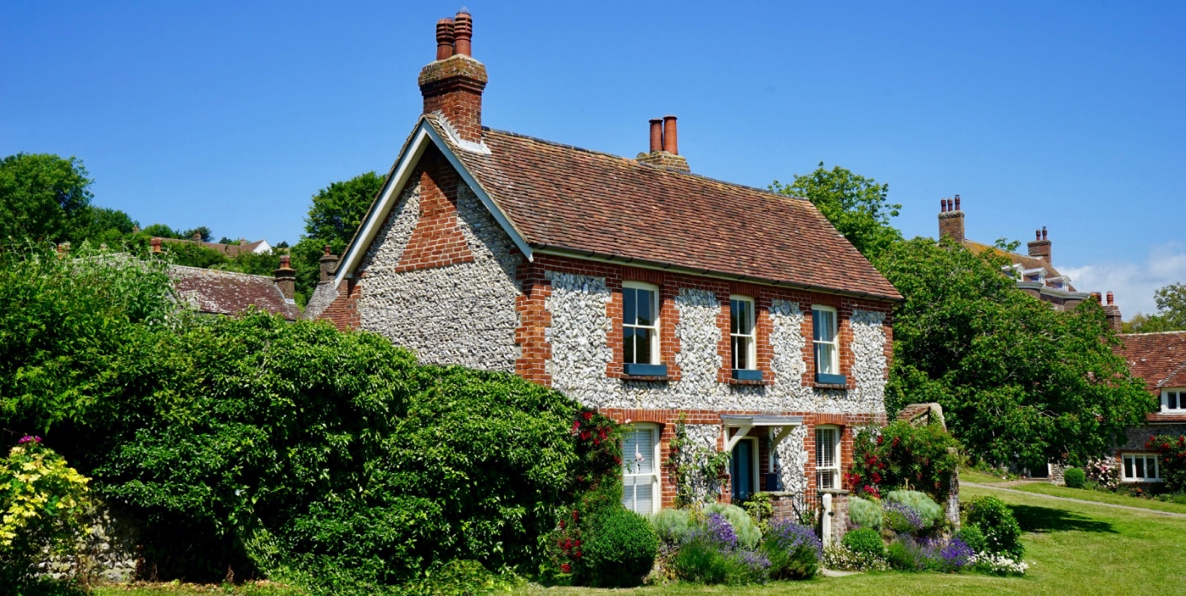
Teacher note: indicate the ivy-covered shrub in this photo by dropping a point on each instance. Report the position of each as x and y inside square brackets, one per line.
[1172, 452]
[865, 513]
[1074, 477]
[864, 541]
[673, 526]
[929, 512]
[747, 532]
[903, 456]
[794, 551]
[43, 503]
[1002, 533]
[973, 537]
[620, 550]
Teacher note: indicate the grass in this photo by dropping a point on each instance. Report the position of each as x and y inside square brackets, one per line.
[979, 477]
[1100, 497]
[1073, 548]
[262, 588]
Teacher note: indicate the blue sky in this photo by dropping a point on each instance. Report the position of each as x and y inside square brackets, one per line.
[1070, 115]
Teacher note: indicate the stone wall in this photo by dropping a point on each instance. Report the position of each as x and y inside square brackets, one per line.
[456, 311]
[109, 551]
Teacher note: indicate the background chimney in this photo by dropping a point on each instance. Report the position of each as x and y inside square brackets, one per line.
[1112, 313]
[156, 245]
[1040, 247]
[951, 219]
[329, 264]
[664, 146]
[286, 278]
[198, 237]
[453, 85]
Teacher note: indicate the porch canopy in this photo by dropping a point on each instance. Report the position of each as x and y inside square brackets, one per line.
[737, 427]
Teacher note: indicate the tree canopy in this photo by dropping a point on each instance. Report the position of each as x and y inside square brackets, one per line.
[1018, 381]
[43, 197]
[857, 206]
[335, 214]
[1170, 315]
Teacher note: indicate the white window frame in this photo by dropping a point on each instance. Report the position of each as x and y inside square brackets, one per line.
[835, 467]
[629, 496]
[1179, 399]
[1148, 457]
[751, 356]
[834, 365]
[654, 327]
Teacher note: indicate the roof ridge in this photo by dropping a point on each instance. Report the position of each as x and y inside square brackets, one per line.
[645, 165]
[224, 272]
[1179, 332]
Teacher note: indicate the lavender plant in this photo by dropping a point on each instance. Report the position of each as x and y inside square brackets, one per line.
[793, 549]
[902, 518]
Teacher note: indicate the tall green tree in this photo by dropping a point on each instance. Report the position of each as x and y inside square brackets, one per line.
[334, 216]
[1018, 381]
[859, 207]
[1170, 315]
[43, 197]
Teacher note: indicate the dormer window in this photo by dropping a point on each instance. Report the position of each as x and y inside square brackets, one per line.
[640, 330]
[1174, 400]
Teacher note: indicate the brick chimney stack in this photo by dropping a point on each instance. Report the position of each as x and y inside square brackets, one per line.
[452, 84]
[329, 265]
[1040, 246]
[156, 245]
[665, 146]
[286, 279]
[1112, 313]
[951, 219]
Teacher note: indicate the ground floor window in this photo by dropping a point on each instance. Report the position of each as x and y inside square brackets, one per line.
[827, 457]
[640, 469]
[1140, 467]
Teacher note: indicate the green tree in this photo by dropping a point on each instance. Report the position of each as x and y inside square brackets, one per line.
[104, 226]
[1170, 316]
[334, 216]
[43, 197]
[1018, 381]
[857, 206]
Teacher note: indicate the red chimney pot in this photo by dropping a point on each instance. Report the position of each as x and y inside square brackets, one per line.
[1043, 232]
[1109, 297]
[957, 202]
[463, 32]
[670, 139]
[656, 135]
[444, 38]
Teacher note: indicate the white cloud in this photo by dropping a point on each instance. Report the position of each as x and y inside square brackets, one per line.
[1133, 283]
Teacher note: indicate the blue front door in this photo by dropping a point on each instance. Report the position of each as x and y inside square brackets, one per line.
[743, 470]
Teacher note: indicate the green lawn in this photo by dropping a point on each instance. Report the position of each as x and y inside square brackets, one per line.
[1100, 497]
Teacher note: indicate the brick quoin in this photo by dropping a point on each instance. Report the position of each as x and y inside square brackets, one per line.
[437, 240]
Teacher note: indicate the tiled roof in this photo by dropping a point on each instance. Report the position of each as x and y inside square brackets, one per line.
[230, 250]
[572, 199]
[226, 293]
[1025, 261]
[1159, 358]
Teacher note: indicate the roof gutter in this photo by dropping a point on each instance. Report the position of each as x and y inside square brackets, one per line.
[591, 255]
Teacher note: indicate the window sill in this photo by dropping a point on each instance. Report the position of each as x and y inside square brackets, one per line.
[755, 382]
[647, 378]
[834, 386]
[826, 379]
[644, 370]
[746, 374]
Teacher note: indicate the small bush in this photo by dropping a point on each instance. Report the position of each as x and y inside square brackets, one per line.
[748, 534]
[865, 513]
[902, 519]
[839, 557]
[903, 556]
[673, 526]
[1074, 477]
[1002, 533]
[794, 551]
[973, 537]
[865, 541]
[930, 513]
[621, 549]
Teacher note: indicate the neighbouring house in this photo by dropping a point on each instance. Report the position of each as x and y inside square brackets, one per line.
[1159, 359]
[215, 292]
[229, 250]
[631, 285]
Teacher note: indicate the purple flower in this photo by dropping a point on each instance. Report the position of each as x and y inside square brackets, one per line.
[902, 518]
[756, 561]
[28, 439]
[790, 536]
[956, 555]
[721, 532]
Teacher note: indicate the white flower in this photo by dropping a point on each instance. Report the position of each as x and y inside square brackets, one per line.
[638, 455]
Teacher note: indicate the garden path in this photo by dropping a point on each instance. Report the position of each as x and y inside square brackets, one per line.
[1112, 505]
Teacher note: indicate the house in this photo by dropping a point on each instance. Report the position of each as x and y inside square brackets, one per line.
[631, 285]
[1159, 359]
[215, 292]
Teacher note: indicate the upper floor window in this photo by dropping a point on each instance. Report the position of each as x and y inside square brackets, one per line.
[1173, 400]
[640, 323]
[640, 469]
[741, 332]
[827, 350]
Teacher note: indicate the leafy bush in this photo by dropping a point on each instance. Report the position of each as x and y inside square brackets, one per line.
[929, 512]
[902, 455]
[44, 502]
[903, 556]
[1102, 474]
[621, 550]
[902, 519]
[998, 564]
[1172, 451]
[760, 509]
[1074, 477]
[865, 541]
[672, 526]
[794, 551]
[1002, 533]
[865, 513]
[973, 537]
[907, 553]
[748, 534]
[712, 556]
[839, 557]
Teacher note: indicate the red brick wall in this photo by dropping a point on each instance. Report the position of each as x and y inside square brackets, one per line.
[437, 240]
[343, 311]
